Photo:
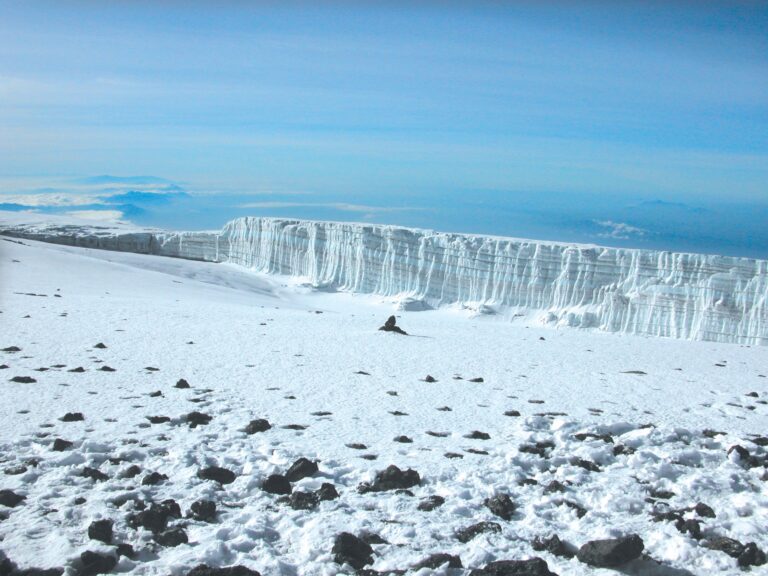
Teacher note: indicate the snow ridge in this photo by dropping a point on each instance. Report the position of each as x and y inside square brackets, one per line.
[688, 296]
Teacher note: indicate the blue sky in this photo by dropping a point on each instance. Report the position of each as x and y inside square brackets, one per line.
[635, 124]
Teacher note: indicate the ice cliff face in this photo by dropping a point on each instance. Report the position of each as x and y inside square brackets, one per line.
[693, 296]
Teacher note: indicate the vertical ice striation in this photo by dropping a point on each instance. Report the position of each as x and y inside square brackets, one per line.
[692, 296]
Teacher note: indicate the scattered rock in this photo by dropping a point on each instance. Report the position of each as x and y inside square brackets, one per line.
[258, 425]
[156, 518]
[435, 561]
[390, 326]
[127, 551]
[539, 448]
[327, 492]
[158, 419]
[171, 538]
[531, 567]
[553, 545]
[611, 552]
[689, 526]
[12, 349]
[100, 346]
[356, 446]
[195, 419]
[453, 455]
[294, 427]
[466, 534]
[430, 379]
[349, 549]
[101, 530]
[131, 472]
[430, 503]
[513, 413]
[94, 563]
[15, 470]
[106, 368]
[586, 464]
[203, 510]
[554, 486]
[751, 556]
[182, 384]
[303, 500]
[217, 474]
[60, 445]
[704, 511]
[23, 380]
[72, 417]
[78, 370]
[732, 547]
[501, 505]
[10, 499]
[391, 478]
[476, 380]
[155, 394]
[276, 484]
[153, 478]
[93, 474]
[403, 439]
[477, 435]
[302, 468]
[205, 570]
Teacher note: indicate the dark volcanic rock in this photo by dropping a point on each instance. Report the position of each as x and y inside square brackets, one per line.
[586, 464]
[60, 445]
[732, 547]
[23, 379]
[72, 417]
[131, 472]
[106, 368]
[153, 478]
[205, 570]
[276, 484]
[611, 552]
[392, 478]
[704, 511]
[477, 435]
[303, 500]
[553, 545]
[501, 505]
[203, 510]
[327, 492]
[751, 556]
[10, 499]
[436, 560]
[430, 379]
[94, 563]
[690, 526]
[302, 468]
[158, 419]
[513, 413]
[171, 538]
[403, 439]
[539, 448]
[78, 370]
[12, 349]
[101, 530]
[195, 419]
[476, 380]
[15, 470]
[126, 550]
[182, 383]
[349, 549]
[466, 534]
[93, 474]
[258, 425]
[391, 326]
[553, 487]
[100, 346]
[430, 503]
[156, 518]
[217, 474]
[531, 567]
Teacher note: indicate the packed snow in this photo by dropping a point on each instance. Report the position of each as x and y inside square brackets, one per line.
[591, 435]
[688, 296]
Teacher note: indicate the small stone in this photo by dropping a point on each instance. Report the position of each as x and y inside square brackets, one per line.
[690, 526]
[276, 484]
[258, 425]
[751, 556]
[513, 413]
[403, 439]
[732, 547]
[217, 474]
[476, 380]
[466, 534]
[171, 538]
[78, 370]
[127, 551]
[94, 474]
[106, 368]
[501, 505]
[430, 503]
[349, 549]
[477, 435]
[530, 567]
[158, 419]
[131, 472]
[72, 417]
[429, 379]
[101, 530]
[327, 492]
[704, 511]
[100, 346]
[12, 349]
[553, 545]
[612, 552]
[153, 478]
[195, 419]
[203, 510]
[435, 561]
[205, 570]
[10, 499]
[303, 500]
[554, 486]
[23, 380]
[94, 563]
[60, 445]
[182, 384]
[302, 468]
[392, 478]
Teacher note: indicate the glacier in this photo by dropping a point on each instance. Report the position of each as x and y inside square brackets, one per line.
[657, 293]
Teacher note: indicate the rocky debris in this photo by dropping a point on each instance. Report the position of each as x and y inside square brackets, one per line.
[100, 346]
[302, 468]
[356, 446]
[10, 499]
[437, 434]
[530, 567]
[759, 440]
[153, 478]
[704, 511]
[78, 370]
[158, 419]
[554, 486]
[155, 394]
[585, 464]
[15, 470]
[403, 439]
[258, 425]
[435, 561]
[93, 474]
[453, 455]
[349, 549]
[513, 413]
[581, 437]
[477, 435]
[580, 510]
[744, 458]
[553, 545]
[690, 526]
[303, 500]
[126, 550]
[621, 449]
[195, 419]
[12, 349]
[4, 366]
[430, 503]
[23, 380]
[612, 552]
[203, 510]
[391, 478]
[93, 563]
[294, 427]
[72, 417]
[182, 384]
[466, 534]
[171, 538]
[156, 518]
[391, 326]
[276, 484]
[60, 445]
[205, 570]
[101, 530]
[539, 448]
[745, 554]
[476, 380]
[327, 492]
[131, 472]
[501, 505]
[217, 474]
[429, 379]
[106, 368]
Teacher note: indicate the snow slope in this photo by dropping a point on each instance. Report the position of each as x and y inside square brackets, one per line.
[688, 296]
[264, 346]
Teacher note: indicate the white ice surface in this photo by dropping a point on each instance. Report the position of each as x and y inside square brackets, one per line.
[259, 341]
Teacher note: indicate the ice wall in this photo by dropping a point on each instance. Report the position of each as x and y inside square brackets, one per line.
[694, 296]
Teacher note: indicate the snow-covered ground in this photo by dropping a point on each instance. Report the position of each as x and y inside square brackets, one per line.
[264, 347]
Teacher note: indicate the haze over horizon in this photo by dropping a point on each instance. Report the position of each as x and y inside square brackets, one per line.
[640, 124]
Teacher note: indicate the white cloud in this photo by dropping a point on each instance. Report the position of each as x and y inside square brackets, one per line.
[99, 215]
[343, 206]
[619, 230]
